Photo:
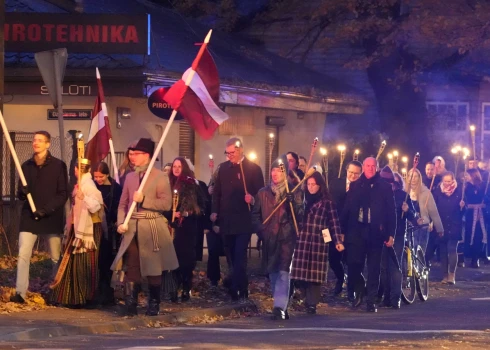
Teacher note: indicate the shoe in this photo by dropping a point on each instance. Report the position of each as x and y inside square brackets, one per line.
[371, 307]
[387, 303]
[17, 298]
[351, 296]
[396, 304]
[445, 280]
[279, 314]
[311, 309]
[358, 300]
[461, 264]
[174, 297]
[131, 298]
[153, 301]
[186, 296]
[227, 283]
[338, 287]
[451, 279]
[475, 264]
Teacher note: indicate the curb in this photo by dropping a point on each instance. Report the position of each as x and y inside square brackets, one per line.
[124, 325]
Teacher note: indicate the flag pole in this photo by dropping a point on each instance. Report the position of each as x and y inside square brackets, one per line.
[165, 132]
[114, 164]
[16, 160]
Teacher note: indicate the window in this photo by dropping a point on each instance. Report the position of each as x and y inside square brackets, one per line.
[452, 115]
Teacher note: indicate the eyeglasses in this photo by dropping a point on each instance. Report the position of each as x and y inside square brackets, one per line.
[229, 154]
[130, 154]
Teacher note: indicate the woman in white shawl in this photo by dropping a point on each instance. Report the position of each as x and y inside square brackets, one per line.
[77, 279]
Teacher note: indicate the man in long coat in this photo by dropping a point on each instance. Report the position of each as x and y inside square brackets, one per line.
[146, 245]
[369, 217]
[47, 182]
[232, 207]
[338, 189]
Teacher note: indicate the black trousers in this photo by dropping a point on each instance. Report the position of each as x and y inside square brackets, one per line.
[335, 261]
[215, 250]
[236, 252]
[369, 248]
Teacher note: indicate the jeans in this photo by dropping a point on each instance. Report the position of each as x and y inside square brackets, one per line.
[449, 256]
[280, 289]
[26, 244]
[421, 238]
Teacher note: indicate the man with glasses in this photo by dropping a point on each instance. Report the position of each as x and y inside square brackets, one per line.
[338, 189]
[47, 182]
[232, 206]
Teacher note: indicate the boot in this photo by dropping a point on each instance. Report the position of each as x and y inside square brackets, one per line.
[153, 300]
[131, 298]
[451, 279]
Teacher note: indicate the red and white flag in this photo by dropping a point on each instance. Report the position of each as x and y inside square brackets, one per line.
[100, 131]
[198, 104]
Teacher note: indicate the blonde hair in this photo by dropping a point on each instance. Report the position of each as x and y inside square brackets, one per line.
[408, 184]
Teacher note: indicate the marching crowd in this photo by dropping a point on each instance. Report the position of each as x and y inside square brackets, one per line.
[304, 224]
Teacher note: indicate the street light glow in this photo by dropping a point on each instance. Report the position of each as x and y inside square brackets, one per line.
[323, 151]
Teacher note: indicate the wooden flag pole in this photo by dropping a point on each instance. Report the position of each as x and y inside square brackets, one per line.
[290, 204]
[164, 135]
[114, 164]
[16, 161]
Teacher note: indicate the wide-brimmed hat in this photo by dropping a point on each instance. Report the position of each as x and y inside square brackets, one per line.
[143, 145]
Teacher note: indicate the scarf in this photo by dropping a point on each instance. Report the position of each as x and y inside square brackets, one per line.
[141, 169]
[449, 190]
[83, 224]
[366, 188]
[311, 200]
[279, 190]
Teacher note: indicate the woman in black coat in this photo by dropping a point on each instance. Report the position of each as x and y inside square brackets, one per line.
[186, 226]
[449, 201]
[111, 194]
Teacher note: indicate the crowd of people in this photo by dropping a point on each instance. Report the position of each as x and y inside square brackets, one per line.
[305, 224]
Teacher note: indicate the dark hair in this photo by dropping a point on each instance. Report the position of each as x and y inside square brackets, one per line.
[301, 157]
[295, 156]
[354, 163]
[186, 171]
[45, 134]
[103, 168]
[429, 163]
[321, 182]
[475, 176]
[448, 173]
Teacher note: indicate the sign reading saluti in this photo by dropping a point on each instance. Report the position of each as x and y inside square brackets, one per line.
[79, 33]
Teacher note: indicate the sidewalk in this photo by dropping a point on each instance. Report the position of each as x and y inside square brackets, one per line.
[57, 322]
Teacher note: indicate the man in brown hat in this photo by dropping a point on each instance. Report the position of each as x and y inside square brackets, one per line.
[146, 247]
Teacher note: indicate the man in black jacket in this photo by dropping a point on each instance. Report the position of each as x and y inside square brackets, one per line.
[369, 218]
[338, 189]
[232, 206]
[47, 182]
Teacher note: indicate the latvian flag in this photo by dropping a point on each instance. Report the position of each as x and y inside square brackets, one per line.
[100, 131]
[198, 105]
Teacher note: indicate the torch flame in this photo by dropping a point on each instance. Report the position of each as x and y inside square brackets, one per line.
[323, 151]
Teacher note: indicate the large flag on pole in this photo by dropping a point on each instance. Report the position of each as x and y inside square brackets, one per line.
[100, 131]
[198, 104]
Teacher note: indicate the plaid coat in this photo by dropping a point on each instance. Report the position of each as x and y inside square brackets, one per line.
[311, 254]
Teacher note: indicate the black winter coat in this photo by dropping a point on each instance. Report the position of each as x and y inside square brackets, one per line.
[400, 196]
[229, 196]
[382, 205]
[337, 189]
[278, 234]
[48, 185]
[450, 213]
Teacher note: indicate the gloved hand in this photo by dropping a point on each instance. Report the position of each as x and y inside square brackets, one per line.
[23, 192]
[39, 214]
[290, 197]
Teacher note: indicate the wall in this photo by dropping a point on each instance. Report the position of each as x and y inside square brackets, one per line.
[29, 113]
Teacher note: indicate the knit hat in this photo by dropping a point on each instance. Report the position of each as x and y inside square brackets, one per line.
[277, 162]
[387, 174]
[143, 145]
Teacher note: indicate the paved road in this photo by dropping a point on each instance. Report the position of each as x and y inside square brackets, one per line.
[455, 317]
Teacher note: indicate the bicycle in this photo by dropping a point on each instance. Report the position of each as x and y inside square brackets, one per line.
[415, 273]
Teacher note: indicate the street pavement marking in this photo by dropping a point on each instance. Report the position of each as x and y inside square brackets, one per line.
[151, 348]
[333, 329]
[479, 299]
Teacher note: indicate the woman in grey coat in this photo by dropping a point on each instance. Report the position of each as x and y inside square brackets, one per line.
[146, 248]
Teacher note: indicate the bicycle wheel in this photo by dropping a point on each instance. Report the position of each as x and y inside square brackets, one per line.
[422, 275]
[408, 278]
